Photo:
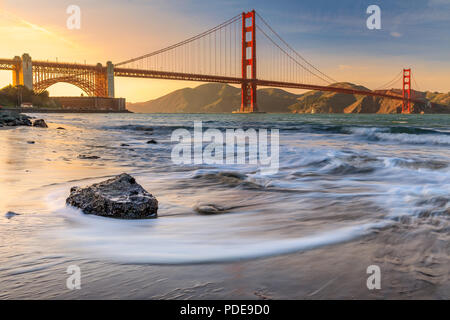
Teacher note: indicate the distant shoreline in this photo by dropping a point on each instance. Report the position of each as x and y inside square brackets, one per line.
[42, 110]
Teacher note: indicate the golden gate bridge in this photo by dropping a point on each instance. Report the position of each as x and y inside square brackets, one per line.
[226, 53]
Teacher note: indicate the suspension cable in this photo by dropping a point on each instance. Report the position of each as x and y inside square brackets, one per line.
[220, 26]
[287, 54]
[295, 52]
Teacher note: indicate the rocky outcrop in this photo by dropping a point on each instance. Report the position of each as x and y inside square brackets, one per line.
[40, 123]
[13, 118]
[120, 197]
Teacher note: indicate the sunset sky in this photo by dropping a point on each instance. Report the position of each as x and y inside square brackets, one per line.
[331, 34]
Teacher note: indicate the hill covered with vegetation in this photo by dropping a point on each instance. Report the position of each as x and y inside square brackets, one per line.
[13, 96]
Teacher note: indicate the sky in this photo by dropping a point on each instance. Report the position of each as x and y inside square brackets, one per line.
[331, 34]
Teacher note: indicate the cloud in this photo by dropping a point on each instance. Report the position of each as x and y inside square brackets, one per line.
[433, 3]
[396, 34]
[32, 26]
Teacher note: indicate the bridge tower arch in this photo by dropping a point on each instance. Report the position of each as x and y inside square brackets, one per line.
[95, 81]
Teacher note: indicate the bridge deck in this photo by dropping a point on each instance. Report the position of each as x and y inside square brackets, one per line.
[152, 74]
[8, 64]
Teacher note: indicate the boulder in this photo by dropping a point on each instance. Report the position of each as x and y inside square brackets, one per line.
[40, 123]
[12, 118]
[152, 141]
[120, 197]
[11, 214]
[209, 209]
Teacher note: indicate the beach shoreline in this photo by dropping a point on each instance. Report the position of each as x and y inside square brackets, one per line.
[42, 110]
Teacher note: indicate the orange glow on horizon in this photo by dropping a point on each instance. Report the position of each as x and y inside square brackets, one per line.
[103, 39]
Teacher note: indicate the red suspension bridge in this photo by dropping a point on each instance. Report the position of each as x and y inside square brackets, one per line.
[226, 53]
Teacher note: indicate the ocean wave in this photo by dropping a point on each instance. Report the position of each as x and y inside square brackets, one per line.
[394, 130]
[414, 139]
[130, 127]
[415, 130]
[341, 168]
[402, 135]
[362, 130]
[415, 164]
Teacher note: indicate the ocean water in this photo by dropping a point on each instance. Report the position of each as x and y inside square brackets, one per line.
[373, 186]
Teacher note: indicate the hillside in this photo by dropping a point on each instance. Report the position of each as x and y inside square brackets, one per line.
[218, 98]
[206, 98]
[440, 98]
[10, 97]
[326, 102]
[214, 98]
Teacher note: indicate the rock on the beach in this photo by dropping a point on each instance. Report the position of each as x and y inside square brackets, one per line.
[119, 197]
[11, 214]
[40, 123]
[87, 157]
[10, 118]
[209, 209]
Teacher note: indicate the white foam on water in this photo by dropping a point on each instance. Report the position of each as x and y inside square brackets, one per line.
[185, 240]
[414, 138]
[402, 138]
[396, 186]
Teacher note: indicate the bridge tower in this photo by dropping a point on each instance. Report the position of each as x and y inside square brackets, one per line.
[248, 86]
[110, 79]
[17, 66]
[406, 106]
[23, 71]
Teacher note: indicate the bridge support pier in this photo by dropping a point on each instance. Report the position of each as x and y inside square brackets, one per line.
[248, 97]
[23, 71]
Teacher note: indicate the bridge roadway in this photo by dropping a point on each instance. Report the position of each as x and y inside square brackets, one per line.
[9, 64]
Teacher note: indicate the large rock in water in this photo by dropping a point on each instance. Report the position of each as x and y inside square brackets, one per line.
[120, 197]
[40, 123]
